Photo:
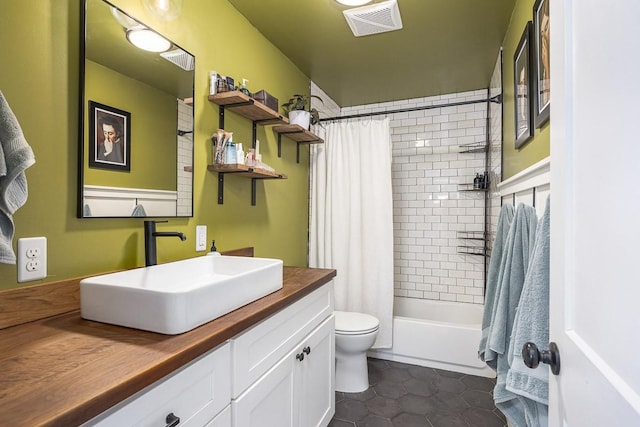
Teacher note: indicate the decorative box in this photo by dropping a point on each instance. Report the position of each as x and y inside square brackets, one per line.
[267, 99]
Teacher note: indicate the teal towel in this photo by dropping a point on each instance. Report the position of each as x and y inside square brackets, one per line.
[513, 269]
[504, 223]
[532, 324]
[15, 157]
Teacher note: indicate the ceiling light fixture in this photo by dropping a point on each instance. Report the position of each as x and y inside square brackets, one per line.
[145, 39]
[164, 9]
[353, 2]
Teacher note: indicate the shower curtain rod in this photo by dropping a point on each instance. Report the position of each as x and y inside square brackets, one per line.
[495, 99]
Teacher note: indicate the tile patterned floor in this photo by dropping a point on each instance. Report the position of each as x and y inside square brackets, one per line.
[404, 395]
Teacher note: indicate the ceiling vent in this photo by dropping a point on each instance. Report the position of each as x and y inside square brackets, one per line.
[374, 19]
[181, 58]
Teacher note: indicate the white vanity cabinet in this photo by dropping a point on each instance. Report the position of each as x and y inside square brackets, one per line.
[283, 367]
[198, 394]
[278, 373]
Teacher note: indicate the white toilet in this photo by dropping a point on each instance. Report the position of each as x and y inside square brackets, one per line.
[355, 334]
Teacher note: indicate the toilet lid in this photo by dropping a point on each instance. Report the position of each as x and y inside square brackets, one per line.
[348, 322]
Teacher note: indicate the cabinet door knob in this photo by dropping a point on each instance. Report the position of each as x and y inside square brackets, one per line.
[307, 350]
[300, 356]
[172, 420]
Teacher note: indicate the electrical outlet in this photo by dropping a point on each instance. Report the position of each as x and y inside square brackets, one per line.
[33, 265]
[32, 258]
[201, 237]
[33, 252]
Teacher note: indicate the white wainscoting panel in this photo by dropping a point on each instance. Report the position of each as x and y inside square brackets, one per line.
[532, 186]
[119, 201]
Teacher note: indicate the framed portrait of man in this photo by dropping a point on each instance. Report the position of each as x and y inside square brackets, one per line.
[542, 81]
[109, 137]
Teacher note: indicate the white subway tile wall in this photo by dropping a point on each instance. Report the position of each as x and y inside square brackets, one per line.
[185, 158]
[429, 208]
[326, 108]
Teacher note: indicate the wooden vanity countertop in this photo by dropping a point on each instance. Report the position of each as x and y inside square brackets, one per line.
[64, 370]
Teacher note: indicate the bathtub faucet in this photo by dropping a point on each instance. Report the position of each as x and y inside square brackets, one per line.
[150, 234]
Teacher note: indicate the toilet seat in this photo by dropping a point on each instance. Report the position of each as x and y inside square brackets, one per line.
[350, 323]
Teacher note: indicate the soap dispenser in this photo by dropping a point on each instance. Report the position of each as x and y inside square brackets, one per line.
[243, 88]
[214, 250]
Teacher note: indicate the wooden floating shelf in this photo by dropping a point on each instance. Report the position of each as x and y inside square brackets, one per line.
[298, 133]
[245, 106]
[246, 171]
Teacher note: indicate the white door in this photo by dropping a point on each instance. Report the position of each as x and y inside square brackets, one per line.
[595, 212]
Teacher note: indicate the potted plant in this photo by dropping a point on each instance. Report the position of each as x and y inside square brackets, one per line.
[296, 109]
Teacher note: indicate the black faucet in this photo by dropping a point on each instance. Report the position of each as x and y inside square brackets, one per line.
[150, 234]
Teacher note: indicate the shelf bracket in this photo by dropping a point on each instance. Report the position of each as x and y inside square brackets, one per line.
[253, 191]
[279, 145]
[220, 188]
[221, 117]
[254, 134]
[240, 104]
[298, 152]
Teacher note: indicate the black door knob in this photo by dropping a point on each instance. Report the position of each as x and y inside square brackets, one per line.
[307, 350]
[300, 356]
[532, 356]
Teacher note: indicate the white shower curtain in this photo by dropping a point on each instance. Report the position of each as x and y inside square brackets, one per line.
[351, 217]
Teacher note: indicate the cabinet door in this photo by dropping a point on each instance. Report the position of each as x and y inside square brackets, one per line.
[269, 402]
[317, 377]
[256, 350]
[223, 419]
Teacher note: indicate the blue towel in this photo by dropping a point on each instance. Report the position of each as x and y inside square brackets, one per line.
[138, 211]
[15, 157]
[504, 223]
[532, 324]
[513, 269]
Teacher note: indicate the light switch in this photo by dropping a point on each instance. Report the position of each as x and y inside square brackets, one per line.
[201, 237]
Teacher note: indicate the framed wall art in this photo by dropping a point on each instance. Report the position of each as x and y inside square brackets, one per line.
[522, 88]
[542, 80]
[109, 137]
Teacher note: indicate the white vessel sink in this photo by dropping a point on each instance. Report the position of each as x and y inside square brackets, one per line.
[176, 297]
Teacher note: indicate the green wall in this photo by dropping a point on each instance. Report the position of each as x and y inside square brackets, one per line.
[514, 161]
[154, 120]
[39, 78]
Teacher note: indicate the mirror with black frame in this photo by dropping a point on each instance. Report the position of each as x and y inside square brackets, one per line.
[136, 129]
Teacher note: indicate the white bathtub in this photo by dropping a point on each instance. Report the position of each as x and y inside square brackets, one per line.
[437, 334]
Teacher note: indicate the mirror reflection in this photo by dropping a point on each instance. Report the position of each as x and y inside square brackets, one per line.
[137, 128]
